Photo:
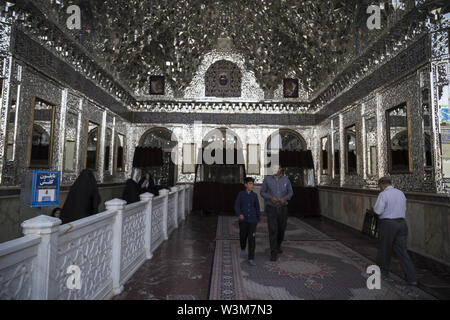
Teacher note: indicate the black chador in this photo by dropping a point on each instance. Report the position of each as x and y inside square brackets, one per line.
[131, 191]
[83, 198]
[146, 184]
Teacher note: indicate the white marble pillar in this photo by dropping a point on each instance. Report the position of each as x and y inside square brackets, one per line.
[148, 197]
[44, 285]
[165, 194]
[118, 206]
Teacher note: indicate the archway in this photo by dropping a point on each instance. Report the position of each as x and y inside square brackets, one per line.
[289, 143]
[160, 141]
[220, 172]
[286, 139]
[222, 157]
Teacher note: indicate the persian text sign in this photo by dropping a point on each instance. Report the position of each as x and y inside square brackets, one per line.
[45, 188]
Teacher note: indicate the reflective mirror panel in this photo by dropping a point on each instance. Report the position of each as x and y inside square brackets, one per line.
[398, 139]
[337, 153]
[371, 147]
[108, 141]
[10, 130]
[253, 159]
[41, 136]
[324, 155]
[120, 152]
[71, 138]
[188, 158]
[445, 129]
[92, 146]
[428, 160]
[351, 150]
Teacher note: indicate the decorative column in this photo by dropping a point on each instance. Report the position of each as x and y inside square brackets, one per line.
[440, 109]
[62, 130]
[148, 197]
[331, 169]
[175, 209]
[101, 154]
[381, 138]
[118, 206]
[342, 151]
[5, 76]
[165, 194]
[44, 285]
[364, 141]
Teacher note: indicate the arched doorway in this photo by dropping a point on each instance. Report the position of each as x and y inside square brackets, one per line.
[220, 173]
[286, 139]
[165, 175]
[289, 142]
[222, 157]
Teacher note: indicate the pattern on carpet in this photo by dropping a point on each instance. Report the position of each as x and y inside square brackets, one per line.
[228, 229]
[324, 270]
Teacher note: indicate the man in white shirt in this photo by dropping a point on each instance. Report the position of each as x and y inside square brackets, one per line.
[393, 230]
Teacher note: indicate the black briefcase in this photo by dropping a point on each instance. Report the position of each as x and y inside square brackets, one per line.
[370, 226]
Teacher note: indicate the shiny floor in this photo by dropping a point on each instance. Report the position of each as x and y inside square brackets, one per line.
[181, 267]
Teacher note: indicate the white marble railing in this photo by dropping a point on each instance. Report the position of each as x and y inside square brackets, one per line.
[90, 258]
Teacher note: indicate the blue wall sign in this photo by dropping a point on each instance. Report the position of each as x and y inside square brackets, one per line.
[45, 188]
[445, 114]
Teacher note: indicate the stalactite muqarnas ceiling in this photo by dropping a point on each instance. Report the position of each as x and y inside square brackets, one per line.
[307, 39]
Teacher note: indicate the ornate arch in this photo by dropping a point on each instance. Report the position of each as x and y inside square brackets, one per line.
[290, 140]
[224, 133]
[223, 80]
[162, 133]
[251, 90]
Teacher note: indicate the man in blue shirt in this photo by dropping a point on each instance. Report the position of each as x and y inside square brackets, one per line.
[393, 230]
[247, 209]
[277, 191]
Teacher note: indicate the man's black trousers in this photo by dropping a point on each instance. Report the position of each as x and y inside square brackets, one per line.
[247, 231]
[276, 221]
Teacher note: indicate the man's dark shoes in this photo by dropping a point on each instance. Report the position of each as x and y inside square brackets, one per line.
[273, 257]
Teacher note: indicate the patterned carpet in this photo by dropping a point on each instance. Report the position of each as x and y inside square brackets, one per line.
[325, 270]
[228, 229]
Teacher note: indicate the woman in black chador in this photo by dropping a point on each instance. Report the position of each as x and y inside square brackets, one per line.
[131, 191]
[146, 184]
[83, 198]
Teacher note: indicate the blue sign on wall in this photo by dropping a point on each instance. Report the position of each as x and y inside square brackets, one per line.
[45, 188]
[445, 114]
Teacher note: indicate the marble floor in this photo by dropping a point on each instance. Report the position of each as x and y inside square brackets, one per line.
[181, 267]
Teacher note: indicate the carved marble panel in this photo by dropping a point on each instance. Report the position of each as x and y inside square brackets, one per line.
[133, 235]
[91, 250]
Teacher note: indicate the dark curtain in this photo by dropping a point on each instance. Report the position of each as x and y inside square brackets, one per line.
[298, 159]
[147, 157]
[215, 196]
